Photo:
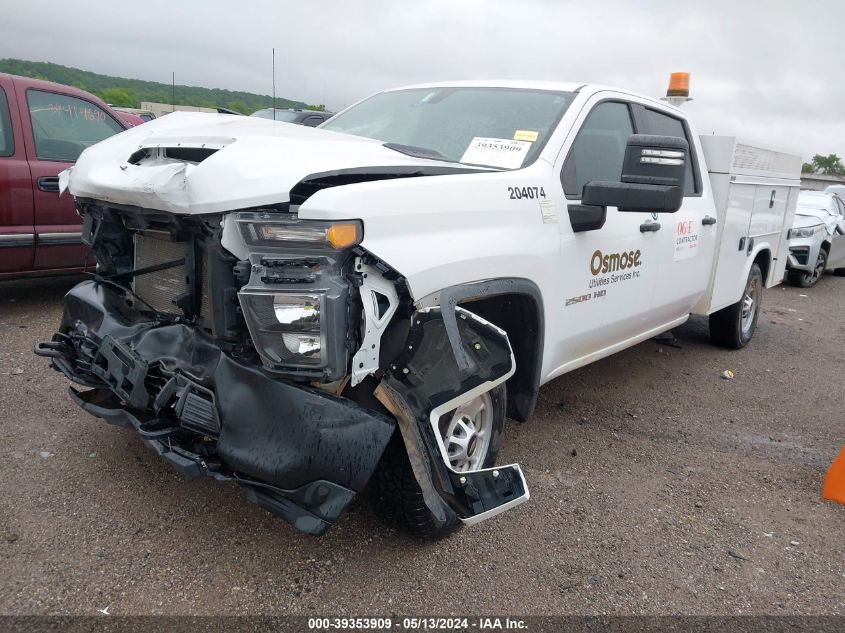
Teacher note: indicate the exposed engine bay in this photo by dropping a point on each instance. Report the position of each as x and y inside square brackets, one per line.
[277, 353]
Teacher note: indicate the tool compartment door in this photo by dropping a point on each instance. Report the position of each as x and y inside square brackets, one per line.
[767, 227]
[728, 281]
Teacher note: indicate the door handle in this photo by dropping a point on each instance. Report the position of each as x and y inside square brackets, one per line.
[649, 227]
[49, 184]
[708, 220]
[772, 199]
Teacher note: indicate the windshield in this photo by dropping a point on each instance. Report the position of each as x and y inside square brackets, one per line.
[496, 127]
[281, 115]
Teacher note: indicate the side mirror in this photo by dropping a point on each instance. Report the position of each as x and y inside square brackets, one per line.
[585, 217]
[652, 180]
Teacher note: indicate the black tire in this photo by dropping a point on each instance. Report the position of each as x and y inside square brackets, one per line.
[794, 276]
[804, 279]
[726, 325]
[399, 498]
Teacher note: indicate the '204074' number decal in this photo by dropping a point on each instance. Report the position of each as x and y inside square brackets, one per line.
[518, 193]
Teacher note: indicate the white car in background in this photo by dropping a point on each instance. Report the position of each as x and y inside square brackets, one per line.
[816, 242]
[839, 190]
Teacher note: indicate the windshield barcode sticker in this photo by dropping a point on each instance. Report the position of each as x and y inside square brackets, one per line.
[496, 152]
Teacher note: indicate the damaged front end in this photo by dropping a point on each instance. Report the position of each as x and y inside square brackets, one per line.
[254, 347]
[450, 359]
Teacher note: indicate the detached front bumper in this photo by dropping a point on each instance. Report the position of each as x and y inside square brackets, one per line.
[301, 454]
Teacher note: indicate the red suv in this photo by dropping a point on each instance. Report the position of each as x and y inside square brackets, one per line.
[43, 129]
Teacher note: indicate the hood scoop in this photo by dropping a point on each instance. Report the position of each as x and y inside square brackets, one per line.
[194, 150]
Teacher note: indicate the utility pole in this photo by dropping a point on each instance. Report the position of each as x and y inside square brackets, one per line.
[173, 91]
[274, 83]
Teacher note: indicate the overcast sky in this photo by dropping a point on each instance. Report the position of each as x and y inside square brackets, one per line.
[771, 70]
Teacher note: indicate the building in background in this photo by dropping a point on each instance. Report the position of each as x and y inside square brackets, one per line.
[160, 109]
[820, 182]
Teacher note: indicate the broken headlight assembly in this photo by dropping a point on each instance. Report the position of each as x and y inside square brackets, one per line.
[295, 232]
[295, 303]
[285, 328]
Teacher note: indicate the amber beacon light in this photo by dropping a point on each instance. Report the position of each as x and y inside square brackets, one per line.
[678, 92]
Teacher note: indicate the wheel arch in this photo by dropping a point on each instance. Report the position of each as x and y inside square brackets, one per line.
[763, 258]
[516, 306]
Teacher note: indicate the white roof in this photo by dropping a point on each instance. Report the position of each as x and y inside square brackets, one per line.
[524, 84]
[584, 89]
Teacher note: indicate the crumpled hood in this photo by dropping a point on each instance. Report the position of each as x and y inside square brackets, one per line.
[808, 216]
[256, 162]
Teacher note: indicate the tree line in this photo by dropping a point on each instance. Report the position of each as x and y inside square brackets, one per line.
[830, 165]
[129, 93]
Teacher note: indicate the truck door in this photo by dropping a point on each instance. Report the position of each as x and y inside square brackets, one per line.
[607, 275]
[687, 237]
[17, 233]
[60, 127]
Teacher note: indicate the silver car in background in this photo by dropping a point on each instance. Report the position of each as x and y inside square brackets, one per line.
[816, 242]
[839, 190]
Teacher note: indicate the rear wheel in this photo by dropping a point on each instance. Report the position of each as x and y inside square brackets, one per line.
[472, 434]
[808, 279]
[735, 325]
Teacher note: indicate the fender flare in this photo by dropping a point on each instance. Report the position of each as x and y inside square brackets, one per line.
[522, 405]
[424, 383]
[758, 249]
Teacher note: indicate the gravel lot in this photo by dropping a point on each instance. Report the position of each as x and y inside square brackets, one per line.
[656, 487]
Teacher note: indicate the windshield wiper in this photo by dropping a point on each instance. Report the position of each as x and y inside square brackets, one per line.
[417, 152]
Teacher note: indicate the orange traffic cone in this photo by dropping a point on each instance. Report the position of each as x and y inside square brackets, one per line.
[834, 482]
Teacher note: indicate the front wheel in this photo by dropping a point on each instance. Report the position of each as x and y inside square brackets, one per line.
[808, 279]
[734, 326]
[472, 434]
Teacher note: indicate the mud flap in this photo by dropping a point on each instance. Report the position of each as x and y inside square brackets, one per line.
[424, 383]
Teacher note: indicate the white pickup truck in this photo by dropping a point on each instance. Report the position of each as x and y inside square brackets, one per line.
[303, 310]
